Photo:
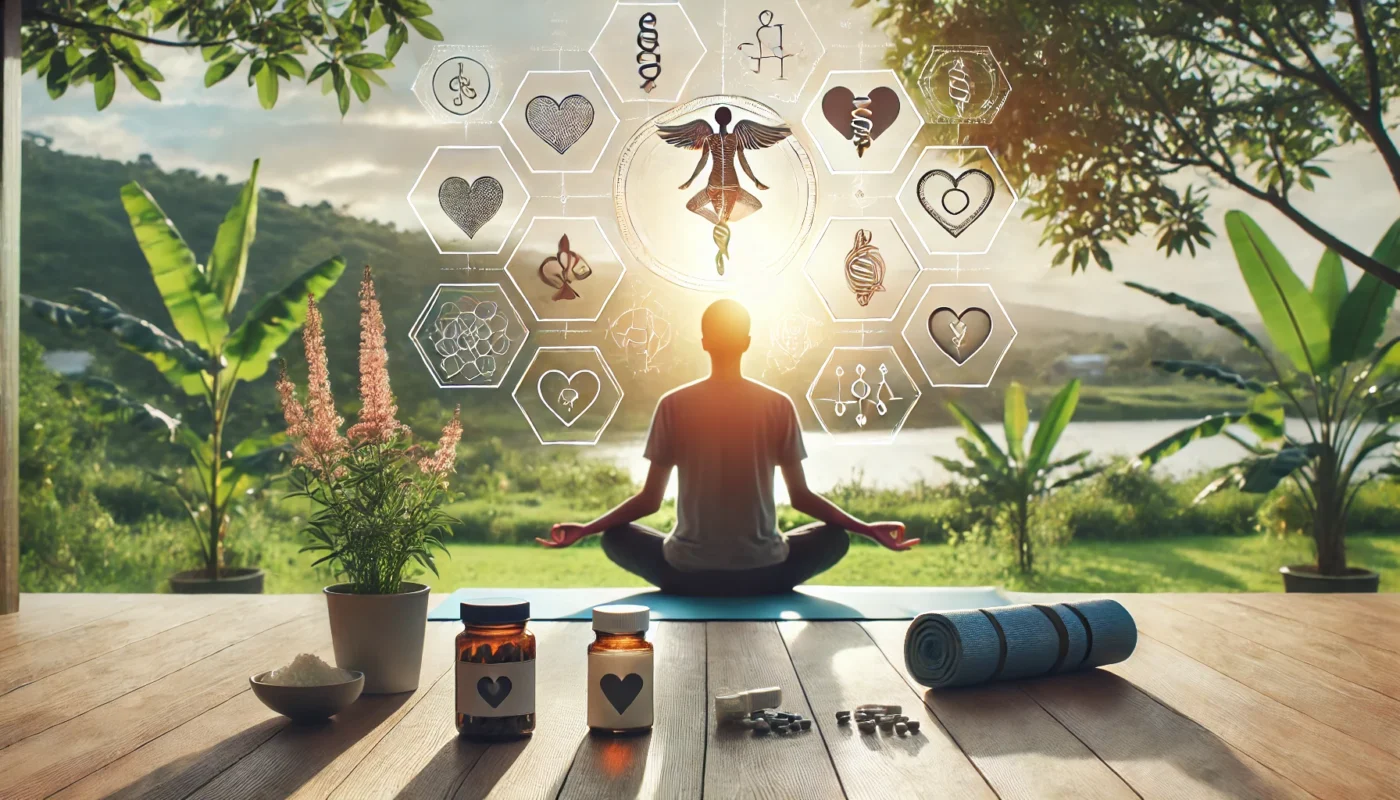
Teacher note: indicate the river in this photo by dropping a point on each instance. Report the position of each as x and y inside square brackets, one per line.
[910, 457]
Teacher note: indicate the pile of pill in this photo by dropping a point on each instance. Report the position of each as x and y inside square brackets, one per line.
[884, 717]
[764, 722]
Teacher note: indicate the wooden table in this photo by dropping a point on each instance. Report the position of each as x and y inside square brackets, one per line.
[1266, 696]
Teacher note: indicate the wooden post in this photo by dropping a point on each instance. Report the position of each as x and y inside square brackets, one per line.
[9, 309]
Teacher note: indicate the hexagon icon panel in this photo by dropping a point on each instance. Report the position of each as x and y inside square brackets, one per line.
[456, 83]
[770, 48]
[959, 334]
[862, 121]
[648, 51]
[568, 395]
[861, 268]
[963, 84]
[957, 199]
[468, 198]
[469, 335]
[559, 121]
[565, 268]
[863, 395]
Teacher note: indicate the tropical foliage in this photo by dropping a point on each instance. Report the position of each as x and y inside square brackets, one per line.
[74, 42]
[1326, 367]
[1015, 478]
[1124, 113]
[378, 497]
[207, 357]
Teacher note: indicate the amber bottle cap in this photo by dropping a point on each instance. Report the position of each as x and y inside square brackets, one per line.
[621, 619]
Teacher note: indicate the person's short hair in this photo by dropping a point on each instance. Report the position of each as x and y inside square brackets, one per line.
[725, 326]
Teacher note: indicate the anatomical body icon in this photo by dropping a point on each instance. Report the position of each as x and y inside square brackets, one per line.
[865, 268]
[723, 200]
[766, 46]
[648, 51]
[559, 124]
[950, 204]
[568, 397]
[562, 269]
[862, 395]
[861, 118]
[960, 336]
[468, 336]
[470, 205]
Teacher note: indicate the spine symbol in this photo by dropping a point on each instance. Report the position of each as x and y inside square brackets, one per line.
[865, 268]
[959, 85]
[861, 124]
[648, 55]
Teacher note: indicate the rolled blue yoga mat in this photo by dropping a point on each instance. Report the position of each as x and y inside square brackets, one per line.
[962, 648]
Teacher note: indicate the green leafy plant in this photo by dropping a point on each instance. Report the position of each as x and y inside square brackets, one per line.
[1018, 477]
[206, 357]
[1327, 369]
[73, 42]
[378, 496]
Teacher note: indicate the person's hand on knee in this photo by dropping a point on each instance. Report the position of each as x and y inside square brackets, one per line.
[564, 534]
[890, 535]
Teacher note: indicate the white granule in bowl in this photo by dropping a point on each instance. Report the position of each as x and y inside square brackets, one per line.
[307, 670]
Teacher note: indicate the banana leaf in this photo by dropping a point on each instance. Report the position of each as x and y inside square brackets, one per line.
[268, 326]
[1211, 313]
[1330, 286]
[1265, 416]
[970, 425]
[1361, 320]
[194, 309]
[1295, 322]
[228, 261]
[1210, 426]
[1016, 419]
[1210, 372]
[1261, 475]
[1052, 424]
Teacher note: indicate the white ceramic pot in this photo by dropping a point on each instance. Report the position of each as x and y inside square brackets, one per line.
[380, 635]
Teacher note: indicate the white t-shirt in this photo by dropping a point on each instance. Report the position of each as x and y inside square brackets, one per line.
[725, 438]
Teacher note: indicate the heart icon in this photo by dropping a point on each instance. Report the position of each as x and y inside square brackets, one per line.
[621, 691]
[949, 203]
[839, 101]
[960, 336]
[560, 124]
[471, 205]
[494, 692]
[563, 393]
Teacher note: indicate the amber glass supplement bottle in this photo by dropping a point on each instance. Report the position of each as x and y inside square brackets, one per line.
[495, 670]
[620, 670]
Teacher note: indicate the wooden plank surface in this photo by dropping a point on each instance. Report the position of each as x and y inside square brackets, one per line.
[841, 668]
[750, 655]
[48, 614]
[1361, 618]
[670, 761]
[1021, 750]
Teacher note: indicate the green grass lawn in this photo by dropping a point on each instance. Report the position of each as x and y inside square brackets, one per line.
[1191, 564]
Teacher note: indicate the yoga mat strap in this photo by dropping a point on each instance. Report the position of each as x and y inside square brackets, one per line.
[1059, 626]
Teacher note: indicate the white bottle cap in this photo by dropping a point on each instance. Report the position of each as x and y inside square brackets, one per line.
[621, 619]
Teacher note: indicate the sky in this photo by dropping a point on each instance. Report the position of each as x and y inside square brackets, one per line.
[367, 162]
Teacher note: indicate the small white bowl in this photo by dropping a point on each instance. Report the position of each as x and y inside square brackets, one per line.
[308, 703]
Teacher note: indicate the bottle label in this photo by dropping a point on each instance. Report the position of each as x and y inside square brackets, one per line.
[496, 690]
[619, 690]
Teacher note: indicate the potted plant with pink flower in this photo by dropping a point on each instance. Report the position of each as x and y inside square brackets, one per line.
[377, 500]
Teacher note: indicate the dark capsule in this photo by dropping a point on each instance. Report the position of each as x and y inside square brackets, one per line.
[912, 725]
[867, 726]
[806, 724]
[761, 728]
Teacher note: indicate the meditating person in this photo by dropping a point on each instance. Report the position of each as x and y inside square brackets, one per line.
[725, 435]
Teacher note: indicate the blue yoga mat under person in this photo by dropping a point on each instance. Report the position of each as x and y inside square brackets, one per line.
[725, 436]
[961, 648]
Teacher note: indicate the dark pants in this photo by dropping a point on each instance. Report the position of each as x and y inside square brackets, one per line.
[812, 549]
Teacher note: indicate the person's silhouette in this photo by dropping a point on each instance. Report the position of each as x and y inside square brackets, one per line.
[725, 435]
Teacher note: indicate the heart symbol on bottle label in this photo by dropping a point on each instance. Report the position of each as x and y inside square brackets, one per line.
[560, 124]
[494, 692]
[471, 205]
[949, 203]
[621, 691]
[563, 394]
[839, 101]
[960, 336]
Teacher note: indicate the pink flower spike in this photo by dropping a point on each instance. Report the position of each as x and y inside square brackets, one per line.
[444, 459]
[323, 441]
[378, 420]
[292, 408]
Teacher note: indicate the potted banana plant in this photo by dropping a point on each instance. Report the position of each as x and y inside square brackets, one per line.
[378, 500]
[206, 357]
